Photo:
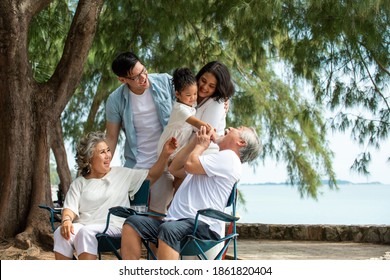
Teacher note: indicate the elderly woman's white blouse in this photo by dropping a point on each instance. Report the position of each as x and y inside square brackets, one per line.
[90, 199]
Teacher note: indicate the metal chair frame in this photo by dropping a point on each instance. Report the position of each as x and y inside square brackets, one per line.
[193, 246]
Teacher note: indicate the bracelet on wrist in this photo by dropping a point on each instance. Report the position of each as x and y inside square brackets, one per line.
[66, 219]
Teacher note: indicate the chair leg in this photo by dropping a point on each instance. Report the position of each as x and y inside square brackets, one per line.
[149, 251]
[235, 248]
[119, 257]
[111, 246]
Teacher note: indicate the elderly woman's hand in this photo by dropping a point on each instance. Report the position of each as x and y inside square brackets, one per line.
[170, 146]
[67, 229]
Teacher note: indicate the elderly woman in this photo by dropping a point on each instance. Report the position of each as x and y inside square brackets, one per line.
[99, 188]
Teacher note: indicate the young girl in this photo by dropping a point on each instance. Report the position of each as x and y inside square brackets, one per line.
[182, 120]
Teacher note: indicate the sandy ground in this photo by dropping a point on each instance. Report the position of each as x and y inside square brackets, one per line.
[8, 251]
[247, 250]
[310, 250]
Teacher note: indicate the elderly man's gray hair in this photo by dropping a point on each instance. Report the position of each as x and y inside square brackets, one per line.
[253, 146]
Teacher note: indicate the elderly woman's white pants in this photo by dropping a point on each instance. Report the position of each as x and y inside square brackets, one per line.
[83, 240]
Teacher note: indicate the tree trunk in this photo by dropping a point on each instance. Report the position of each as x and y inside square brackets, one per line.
[101, 94]
[29, 111]
[59, 151]
[23, 137]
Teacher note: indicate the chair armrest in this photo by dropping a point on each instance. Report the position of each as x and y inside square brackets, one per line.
[53, 215]
[121, 211]
[151, 214]
[219, 215]
[213, 213]
[51, 209]
[124, 212]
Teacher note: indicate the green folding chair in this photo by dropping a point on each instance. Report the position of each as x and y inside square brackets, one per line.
[106, 243]
[191, 245]
[138, 206]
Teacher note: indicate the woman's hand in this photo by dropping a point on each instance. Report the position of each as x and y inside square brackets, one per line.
[226, 105]
[67, 229]
[170, 146]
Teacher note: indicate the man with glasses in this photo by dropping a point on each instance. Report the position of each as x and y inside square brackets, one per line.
[141, 107]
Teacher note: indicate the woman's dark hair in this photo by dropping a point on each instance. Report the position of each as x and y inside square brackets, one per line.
[182, 78]
[224, 88]
[124, 63]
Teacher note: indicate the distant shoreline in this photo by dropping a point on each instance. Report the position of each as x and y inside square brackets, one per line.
[324, 182]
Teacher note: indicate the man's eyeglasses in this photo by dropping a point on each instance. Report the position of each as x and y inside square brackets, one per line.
[137, 77]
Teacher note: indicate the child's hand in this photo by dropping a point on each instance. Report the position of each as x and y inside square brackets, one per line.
[209, 127]
[212, 131]
[213, 134]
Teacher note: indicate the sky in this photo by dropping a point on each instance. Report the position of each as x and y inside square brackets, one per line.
[345, 151]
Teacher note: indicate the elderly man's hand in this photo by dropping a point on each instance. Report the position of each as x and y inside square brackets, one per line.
[203, 137]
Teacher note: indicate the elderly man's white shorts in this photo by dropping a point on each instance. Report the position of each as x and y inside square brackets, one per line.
[84, 239]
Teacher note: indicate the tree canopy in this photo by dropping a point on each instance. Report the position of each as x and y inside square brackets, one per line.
[340, 48]
[55, 59]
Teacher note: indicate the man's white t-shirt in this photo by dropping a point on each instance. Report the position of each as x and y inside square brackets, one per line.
[223, 170]
[147, 127]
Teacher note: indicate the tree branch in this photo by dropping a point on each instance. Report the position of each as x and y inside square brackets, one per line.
[372, 79]
[376, 60]
[33, 7]
[79, 40]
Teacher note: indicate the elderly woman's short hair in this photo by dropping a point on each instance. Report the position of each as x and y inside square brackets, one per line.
[253, 146]
[85, 149]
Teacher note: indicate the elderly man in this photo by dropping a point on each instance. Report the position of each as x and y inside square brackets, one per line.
[208, 184]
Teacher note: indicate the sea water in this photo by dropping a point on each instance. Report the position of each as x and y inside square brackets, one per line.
[351, 204]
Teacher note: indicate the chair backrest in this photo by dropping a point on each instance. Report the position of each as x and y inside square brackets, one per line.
[140, 202]
[233, 196]
[141, 198]
[194, 246]
[232, 201]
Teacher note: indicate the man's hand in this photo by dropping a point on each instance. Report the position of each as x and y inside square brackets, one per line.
[202, 141]
[203, 138]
